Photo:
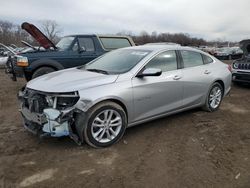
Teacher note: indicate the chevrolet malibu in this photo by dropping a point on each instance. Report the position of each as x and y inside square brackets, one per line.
[95, 103]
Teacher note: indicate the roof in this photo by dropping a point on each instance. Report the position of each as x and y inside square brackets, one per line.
[158, 47]
[97, 35]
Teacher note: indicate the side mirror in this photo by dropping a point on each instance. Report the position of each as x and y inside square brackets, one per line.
[82, 49]
[149, 72]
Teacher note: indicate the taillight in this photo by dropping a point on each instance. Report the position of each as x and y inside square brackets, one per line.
[229, 68]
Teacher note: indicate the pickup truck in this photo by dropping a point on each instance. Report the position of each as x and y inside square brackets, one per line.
[70, 51]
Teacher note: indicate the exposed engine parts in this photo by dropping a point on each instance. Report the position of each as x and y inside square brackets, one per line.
[52, 112]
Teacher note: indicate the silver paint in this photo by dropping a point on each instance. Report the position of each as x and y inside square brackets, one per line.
[144, 98]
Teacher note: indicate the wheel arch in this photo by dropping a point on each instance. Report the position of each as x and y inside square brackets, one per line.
[222, 84]
[114, 100]
[46, 63]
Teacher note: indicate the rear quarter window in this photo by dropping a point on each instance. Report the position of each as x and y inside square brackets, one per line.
[114, 43]
[207, 59]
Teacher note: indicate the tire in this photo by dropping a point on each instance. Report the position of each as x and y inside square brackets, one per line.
[237, 83]
[27, 76]
[214, 98]
[41, 71]
[96, 131]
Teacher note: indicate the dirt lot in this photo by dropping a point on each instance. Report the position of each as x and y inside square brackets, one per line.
[191, 149]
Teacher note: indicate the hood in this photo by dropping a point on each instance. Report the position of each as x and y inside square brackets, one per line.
[245, 46]
[38, 35]
[70, 80]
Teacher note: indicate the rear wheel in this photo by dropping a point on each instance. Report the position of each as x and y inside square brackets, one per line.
[41, 71]
[214, 98]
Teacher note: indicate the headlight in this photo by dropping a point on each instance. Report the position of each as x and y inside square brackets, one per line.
[235, 66]
[22, 61]
[66, 102]
[61, 101]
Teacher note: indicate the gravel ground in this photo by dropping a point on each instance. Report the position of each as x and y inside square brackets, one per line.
[190, 149]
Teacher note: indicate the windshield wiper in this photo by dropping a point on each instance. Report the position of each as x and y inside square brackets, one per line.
[98, 70]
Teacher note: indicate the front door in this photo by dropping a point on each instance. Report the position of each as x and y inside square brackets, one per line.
[82, 51]
[156, 95]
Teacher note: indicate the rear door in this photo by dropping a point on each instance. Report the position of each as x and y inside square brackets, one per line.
[196, 77]
[156, 95]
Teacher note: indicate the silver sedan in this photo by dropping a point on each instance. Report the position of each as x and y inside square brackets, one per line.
[96, 102]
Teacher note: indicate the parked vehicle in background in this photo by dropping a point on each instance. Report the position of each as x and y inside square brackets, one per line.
[241, 67]
[71, 51]
[228, 53]
[3, 60]
[223, 53]
[95, 103]
[210, 50]
[5, 54]
[237, 52]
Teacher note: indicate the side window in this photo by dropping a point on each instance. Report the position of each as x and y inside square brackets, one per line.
[87, 43]
[75, 46]
[191, 59]
[207, 59]
[114, 43]
[165, 61]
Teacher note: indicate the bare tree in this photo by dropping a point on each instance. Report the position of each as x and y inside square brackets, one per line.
[51, 29]
[11, 33]
[6, 29]
[180, 38]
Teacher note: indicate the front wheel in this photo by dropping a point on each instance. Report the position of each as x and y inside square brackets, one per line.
[214, 98]
[41, 71]
[106, 124]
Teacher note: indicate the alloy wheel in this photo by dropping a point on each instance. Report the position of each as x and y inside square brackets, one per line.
[106, 126]
[215, 97]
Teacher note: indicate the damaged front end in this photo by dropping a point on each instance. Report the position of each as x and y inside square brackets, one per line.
[49, 114]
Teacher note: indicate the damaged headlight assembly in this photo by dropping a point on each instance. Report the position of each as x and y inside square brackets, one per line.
[49, 114]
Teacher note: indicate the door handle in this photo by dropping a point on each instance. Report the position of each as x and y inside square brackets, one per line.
[207, 72]
[176, 77]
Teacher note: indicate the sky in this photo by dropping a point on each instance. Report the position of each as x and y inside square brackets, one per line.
[208, 19]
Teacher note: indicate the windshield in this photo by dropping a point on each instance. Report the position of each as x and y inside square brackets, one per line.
[117, 61]
[65, 43]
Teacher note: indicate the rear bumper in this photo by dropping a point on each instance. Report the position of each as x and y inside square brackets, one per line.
[241, 77]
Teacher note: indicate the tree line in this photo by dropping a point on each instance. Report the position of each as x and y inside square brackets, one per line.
[11, 33]
[179, 38]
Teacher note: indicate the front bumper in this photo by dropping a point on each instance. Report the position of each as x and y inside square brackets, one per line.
[46, 123]
[13, 70]
[52, 114]
[49, 125]
[243, 77]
